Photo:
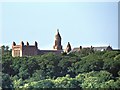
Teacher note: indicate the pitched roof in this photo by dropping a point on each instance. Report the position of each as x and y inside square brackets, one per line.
[50, 51]
[94, 48]
[100, 48]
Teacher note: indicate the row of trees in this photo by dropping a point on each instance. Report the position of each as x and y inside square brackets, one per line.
[84, 69]
[94, 79]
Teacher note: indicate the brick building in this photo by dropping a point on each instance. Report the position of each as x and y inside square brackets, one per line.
[32, 50]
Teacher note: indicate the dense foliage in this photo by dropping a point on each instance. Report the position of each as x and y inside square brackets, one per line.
[84, 69]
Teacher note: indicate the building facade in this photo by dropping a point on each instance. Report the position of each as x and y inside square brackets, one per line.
[24, 50]
[32, 50]
[101, 48]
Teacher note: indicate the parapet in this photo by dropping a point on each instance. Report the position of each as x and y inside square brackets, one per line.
[27, 44]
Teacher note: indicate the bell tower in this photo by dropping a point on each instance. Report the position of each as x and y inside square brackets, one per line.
[57, 45]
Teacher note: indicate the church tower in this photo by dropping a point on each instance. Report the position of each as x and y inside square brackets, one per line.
[57, 45]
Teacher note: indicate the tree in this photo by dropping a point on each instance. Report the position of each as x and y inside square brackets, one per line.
[112, 66]
[3, 47]
[6, 82]
[75, 70]
[7, 48]
[111, 54]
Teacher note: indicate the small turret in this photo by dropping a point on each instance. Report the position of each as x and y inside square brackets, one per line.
[13, 44]
[27, 44]
[68, 48]
[36, 45]
[22, 43]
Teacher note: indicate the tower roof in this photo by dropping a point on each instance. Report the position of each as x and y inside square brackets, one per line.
[68, 48]
[58, 34]
[68, 45]
[109, 48]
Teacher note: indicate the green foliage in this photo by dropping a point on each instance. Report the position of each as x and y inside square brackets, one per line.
[112, 66]
[65, 82]
[18, 83]
[84, 69]
[117, 57]
[102, 75]
[119, 73]
[86, 80]
[83, 52]
[6, 81]
[89, 63]
[111, 54]
[39, 84]
[91, 82]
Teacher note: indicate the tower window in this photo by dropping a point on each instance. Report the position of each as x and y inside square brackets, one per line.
[16, 52]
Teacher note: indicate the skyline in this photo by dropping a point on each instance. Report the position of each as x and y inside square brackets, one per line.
[94, 23]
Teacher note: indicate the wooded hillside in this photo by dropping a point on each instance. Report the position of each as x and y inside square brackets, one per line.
[84, 69]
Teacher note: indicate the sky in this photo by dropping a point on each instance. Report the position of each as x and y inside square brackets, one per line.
[80, 23]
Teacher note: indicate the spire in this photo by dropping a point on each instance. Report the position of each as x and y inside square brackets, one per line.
[58, 34]
[68, 48]
[57, 30]
[57, 44]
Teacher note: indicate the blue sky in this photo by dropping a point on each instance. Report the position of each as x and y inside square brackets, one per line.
[80, 23]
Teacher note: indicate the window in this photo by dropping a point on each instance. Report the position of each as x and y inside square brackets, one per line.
[17, 52]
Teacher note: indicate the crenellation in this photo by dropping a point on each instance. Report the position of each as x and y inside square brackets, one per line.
[14, 44]
[31, 50]
[24, 50]
[22, 43]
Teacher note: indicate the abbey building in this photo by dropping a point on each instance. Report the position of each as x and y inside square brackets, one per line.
[32, 50]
